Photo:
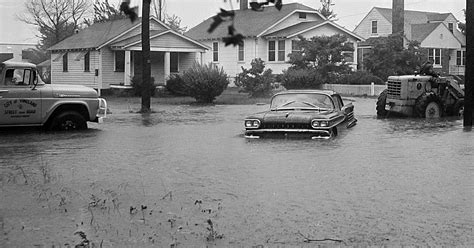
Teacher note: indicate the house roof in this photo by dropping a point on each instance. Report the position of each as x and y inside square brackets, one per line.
[414, 17]
[248, 22]
[112, 33]
[421, 31]
[95, 35]
[302, 27]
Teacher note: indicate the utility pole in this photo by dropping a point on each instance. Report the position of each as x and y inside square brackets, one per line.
[469, 73]
[398, 19]
[146, 63]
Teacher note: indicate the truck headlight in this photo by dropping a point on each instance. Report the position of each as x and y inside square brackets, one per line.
[252, 123]
[323, 123]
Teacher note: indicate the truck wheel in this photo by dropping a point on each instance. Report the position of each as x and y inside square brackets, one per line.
[433, 110]
[68, 121]
[459, 108]
[380, 107]
[428, 106]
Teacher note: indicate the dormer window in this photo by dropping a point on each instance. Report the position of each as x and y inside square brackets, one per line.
[302, 15]
[451, 27]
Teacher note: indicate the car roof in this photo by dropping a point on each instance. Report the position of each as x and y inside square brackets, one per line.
[325, 92]
[16, 64]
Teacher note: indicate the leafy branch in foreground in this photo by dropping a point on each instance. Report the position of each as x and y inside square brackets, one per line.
[234, 38]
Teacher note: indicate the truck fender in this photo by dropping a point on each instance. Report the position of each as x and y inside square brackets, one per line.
[61, 106]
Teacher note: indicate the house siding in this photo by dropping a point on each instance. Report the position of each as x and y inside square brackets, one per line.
[109, 75]
[75, 73]
[170, 41]
[364, 29]
[186, 61]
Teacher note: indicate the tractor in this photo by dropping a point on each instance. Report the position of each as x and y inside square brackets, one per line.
[422, 96]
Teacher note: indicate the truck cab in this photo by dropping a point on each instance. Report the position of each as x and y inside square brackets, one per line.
[25, 100]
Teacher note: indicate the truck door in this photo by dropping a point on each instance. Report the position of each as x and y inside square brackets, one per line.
[20, 104]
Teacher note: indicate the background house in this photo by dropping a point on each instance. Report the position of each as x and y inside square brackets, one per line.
[269, 34]
[108, 54]
[437, 32]
[15, 51]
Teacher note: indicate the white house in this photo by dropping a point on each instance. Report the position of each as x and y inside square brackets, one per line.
[436, 32]
[108, 54]
[269, 34]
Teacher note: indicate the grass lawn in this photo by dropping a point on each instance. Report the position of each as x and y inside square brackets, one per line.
[230, 96]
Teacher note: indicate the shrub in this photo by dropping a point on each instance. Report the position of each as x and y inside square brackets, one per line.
[175, 85]
[137, 84]
[205, 82]
[301, 79]
[256, 81]
[359, 77]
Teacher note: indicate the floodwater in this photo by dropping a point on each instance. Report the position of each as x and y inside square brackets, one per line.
[163, 179]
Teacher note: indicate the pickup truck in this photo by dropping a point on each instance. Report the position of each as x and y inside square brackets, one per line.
[25, 100]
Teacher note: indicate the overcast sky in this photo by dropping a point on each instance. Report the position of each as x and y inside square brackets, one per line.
[349, 12]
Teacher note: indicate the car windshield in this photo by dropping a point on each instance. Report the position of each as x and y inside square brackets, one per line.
[301, 101]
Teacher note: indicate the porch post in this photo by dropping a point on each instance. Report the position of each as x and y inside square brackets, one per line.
[128, 68]
[167, 67]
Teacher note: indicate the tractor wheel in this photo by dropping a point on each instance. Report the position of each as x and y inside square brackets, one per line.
[428, 106]
[459, 108]
[380, 107]
[68, 121]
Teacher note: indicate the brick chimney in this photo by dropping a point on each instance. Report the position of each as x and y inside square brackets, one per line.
[244, 4]
[398, 16]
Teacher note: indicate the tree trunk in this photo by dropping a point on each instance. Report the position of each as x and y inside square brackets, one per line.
[146, 63]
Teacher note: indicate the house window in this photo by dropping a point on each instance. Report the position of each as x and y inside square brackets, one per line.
[302, 15]
[434, 55]
[461, 58]
[374, 27]
[295, 47]
[215, 51]
[241, 52]
[65, 62]
[281, 50]
[119, 61]
[87, 62]
[271, 50]
[349, 55]
[174, 62]
[451, 27]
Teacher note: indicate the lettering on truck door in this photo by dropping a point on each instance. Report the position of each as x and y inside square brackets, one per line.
[19, 103]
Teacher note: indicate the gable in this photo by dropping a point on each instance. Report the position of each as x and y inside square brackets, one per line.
[137, 30]
[247, 22]
[294, 18]
[311, 29]
[160, 41]
[441, 37]
[364, 28]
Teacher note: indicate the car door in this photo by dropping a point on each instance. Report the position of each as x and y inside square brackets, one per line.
[20, 103]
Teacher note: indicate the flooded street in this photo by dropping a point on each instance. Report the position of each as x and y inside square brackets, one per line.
[186, 177]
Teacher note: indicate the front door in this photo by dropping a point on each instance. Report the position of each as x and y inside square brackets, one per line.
[20, 104]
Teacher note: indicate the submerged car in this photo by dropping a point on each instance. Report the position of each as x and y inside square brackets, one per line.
[315, 114]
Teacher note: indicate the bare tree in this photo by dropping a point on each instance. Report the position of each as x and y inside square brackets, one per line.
[104, 11]
[55, 19]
